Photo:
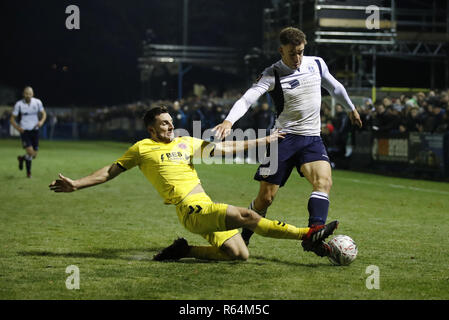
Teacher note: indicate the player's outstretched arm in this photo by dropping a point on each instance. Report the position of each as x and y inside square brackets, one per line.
[226, 147]
[338, 91]
[238, 110]
[65, 184]
[223, 129]
[355, 118]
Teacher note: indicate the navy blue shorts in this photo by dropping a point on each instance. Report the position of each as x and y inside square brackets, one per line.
[30, 138]
[293, 151]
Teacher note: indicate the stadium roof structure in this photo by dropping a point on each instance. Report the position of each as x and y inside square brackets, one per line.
[182, 57]
[414, 30]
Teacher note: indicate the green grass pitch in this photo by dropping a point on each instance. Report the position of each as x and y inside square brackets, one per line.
[110, 232]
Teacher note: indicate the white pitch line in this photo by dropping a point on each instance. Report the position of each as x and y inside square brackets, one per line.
[397, 186]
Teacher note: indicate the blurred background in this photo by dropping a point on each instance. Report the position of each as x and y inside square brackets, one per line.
[198, 57]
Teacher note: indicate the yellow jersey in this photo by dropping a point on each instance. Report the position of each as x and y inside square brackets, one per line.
[168, 166]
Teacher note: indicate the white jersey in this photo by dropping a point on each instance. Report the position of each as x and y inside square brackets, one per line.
[29, 113]
[296, 93]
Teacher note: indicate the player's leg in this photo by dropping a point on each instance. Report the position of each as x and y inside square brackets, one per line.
[28, 157]
[218, 223]
[29, 144]
[209, 222]
[319, 174]
[233, 248]
[32, 150]
[236, 248]
[237, 217]
[200, 215]
[265, 197]
[25, 144]
[270, 184]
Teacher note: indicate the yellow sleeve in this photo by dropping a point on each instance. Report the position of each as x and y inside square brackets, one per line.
[130, 159]
[199, 145]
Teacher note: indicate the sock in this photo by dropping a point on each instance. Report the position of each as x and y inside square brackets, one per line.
[246, 233]
[28, 160]
[208, 253]
[318, 207]
[279, 230]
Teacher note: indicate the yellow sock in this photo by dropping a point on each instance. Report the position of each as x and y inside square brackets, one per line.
[280, 230]
[208, 253]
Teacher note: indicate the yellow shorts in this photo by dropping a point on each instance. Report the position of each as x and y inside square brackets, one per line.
[199, 214]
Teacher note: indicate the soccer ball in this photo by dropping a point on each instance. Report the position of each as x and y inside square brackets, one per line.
[344, 250]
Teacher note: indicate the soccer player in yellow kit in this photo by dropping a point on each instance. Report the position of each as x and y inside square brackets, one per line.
[166, 162]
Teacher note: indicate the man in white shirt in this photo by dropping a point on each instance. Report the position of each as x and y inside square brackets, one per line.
[294, 83]
[29, 109]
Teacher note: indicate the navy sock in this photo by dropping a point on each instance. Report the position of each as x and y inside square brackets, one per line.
[28, 160]
[318, 207]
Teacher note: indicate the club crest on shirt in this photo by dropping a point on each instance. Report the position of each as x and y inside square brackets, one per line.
[182, 146]
[311, 68]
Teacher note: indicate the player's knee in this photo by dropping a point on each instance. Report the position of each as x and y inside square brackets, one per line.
[237, 252]
[243, 255]
[266, 199]
[239, 255]
[247, 218]
[323, 184]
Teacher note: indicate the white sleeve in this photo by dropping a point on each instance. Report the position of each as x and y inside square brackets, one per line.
[264, 83]
[15, 111]
[41, 106]
[335, 88]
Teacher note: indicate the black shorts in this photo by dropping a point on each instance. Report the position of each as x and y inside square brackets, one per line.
[30, 138]
[293, 151]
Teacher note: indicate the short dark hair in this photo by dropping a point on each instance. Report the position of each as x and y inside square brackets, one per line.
[291, 35]
[150, 115]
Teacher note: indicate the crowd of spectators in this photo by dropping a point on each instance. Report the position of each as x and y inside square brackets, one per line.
[209, 111]
[420, 112]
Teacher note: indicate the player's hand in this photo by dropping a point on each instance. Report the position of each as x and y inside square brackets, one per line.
[40, 124]
[355, 118]
[222, 130]
[21, 130]
[63, 184]
[275, 136]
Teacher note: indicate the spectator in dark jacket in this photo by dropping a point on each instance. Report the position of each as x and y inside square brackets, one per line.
[434, 116]
[385, 120]
[413, 121]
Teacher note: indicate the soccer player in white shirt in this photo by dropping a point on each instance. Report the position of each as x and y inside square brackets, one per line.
[294, 83]
[29, 108]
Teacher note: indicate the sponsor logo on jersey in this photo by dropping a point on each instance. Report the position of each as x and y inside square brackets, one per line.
[175, 156]
[293, 84]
